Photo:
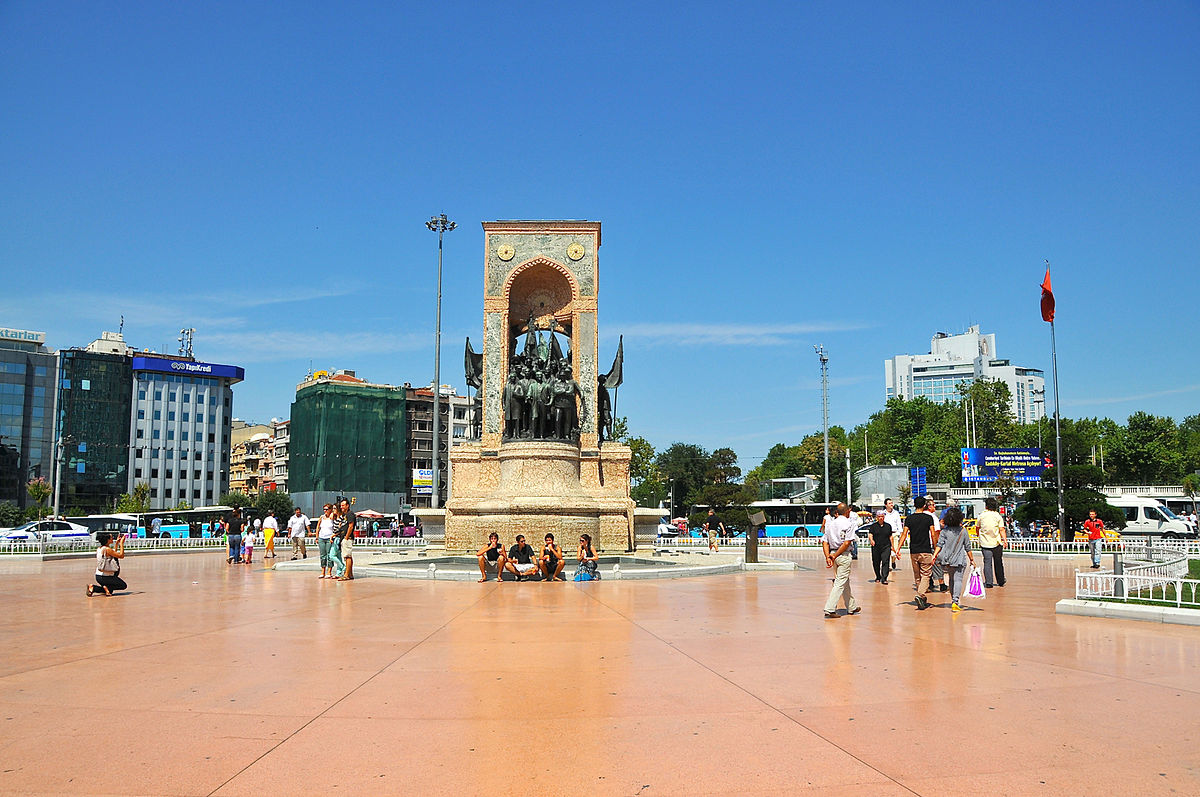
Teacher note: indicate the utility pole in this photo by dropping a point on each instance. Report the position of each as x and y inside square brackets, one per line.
[820, 350]
[849, 486]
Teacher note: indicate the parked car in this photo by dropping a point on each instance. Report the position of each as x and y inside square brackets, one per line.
[47, 530]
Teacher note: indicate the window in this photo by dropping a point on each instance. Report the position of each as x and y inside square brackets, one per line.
[1153, 515]
[185, 417]
[158, 415]
[141, 453]
[196, 476]
[171, 415]
[172, 396]
[167, 493]
[141, 395]
[1131, 513]
[170, 473]
[140, 433]
[137, 473]
[208, 494]
[154, 453]
[197, 456]
[196, 494]
[186, 398]
[141, 415]
[154, 434]
[212, 438]
[199, 418]
[85, 384]
[154, 473]
[39, 370]
[66, 383]
[170, 434]
[158, 395]
[154, 492]
[183, 435]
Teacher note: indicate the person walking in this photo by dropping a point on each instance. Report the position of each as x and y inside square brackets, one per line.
[918, 531]
[297, 529]
[839, 534]
[953, 551]
[325, 541]
[882, 543]
[713, 526]
[108, 564]
[270, 529]
[233, 533]
[936, 574]
[992, 538]
[896, 521]
[1094, 527]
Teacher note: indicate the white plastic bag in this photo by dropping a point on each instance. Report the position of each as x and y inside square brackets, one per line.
[975, 589]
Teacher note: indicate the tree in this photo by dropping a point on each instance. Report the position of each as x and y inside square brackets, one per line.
[1148, 451]
[10, 515]
[137, 502]
[647, 484]
[687, 465]
[904, 491]
[723, 466]
[39, 490]
[236, 499]
[1191, 486]
[183, 506]
[273, 500]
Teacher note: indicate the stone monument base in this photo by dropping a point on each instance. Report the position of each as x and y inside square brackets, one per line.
[535, 487]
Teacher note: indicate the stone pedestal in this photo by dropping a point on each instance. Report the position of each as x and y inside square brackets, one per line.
[535, 487]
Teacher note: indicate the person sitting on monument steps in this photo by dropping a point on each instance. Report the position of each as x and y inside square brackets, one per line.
[588, 569]
[521, 560]
[552, 562]
[491, 557]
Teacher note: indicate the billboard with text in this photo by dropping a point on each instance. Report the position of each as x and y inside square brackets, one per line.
[990, 464]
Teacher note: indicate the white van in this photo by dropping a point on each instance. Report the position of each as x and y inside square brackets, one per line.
[1148, 517]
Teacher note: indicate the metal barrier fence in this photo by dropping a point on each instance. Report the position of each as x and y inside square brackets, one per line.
[30, 547]
[1014, 544]
[1151, 572]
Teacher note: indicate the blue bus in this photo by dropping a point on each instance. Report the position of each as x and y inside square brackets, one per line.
[785, 519]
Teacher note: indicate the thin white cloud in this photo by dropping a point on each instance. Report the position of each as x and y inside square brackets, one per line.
[274, 345]
[699, 334]
[1122, 399]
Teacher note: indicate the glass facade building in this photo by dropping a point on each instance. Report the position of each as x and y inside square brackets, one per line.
[181, 411]
[27, 373]
[94, 414]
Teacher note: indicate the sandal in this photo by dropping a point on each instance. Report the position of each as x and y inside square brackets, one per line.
[91, 590]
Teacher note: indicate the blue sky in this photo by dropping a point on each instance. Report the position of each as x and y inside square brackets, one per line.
[769, 176]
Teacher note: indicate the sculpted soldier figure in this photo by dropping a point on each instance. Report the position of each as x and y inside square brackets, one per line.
[566, 417]
[514, 400]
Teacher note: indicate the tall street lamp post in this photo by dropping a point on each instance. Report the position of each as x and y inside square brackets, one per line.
[825, 410]
[441, 225]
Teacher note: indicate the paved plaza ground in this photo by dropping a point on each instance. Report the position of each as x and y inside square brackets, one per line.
[211, 679]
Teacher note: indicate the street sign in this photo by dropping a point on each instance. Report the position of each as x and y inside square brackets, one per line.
[917, 477]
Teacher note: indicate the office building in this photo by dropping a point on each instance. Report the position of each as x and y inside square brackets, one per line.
[954, 360]
[455, 413]
[348, 436]
[27, 395]
[182, 413]
[94, 409]
[280, 441]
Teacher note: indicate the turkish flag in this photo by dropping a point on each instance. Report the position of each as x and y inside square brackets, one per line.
[1047, 299]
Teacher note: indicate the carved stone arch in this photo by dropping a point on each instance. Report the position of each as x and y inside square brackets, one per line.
[544, 287]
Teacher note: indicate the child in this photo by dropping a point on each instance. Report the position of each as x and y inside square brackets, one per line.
[247, 547]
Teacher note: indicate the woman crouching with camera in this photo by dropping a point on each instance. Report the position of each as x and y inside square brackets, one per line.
[108, 564]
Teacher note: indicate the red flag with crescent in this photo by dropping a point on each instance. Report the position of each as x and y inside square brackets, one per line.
[1047, 299]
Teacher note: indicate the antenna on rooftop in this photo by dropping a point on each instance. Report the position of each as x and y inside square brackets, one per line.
[121, 329]
[185, 341]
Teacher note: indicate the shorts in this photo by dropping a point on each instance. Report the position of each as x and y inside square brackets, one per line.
[529, 568]
[491, 564]
[347, 547]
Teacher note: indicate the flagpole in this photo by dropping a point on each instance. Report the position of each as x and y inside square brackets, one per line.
[1058, 461]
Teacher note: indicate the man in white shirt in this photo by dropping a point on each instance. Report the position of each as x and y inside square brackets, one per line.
[839, 534]
[893, 519]
[297, 528]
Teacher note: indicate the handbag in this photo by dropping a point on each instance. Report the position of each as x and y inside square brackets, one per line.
[975, 588]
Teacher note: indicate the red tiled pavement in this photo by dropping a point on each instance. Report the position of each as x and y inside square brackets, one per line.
[210, 679]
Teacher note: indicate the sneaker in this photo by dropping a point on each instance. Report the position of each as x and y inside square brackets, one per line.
[1002, 583]
[830, 615]
[922, 602]
[989, 586]
[943, 588]
[884, 582]
[954, 607]
[855, 610]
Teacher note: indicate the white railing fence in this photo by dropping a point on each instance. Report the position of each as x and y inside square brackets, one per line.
[1150, 572]
[31, 547]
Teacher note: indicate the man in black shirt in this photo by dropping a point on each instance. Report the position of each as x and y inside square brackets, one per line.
[521, 560]
[233, 527]
[918, 530]
[714, 527]
[881, 546]
[491, 556]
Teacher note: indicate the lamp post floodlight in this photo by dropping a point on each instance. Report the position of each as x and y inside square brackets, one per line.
[441, 225]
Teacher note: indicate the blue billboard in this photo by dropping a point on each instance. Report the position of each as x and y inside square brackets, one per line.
[188, 368]
[990, 464]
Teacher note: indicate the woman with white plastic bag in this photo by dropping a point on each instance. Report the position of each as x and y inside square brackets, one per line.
[953, 551]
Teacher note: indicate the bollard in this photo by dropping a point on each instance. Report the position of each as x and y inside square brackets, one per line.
[1118, 570]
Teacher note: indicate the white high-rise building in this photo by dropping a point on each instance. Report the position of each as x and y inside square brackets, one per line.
[955, 359]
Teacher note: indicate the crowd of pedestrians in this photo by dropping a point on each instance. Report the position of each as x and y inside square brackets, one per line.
[939, 548]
